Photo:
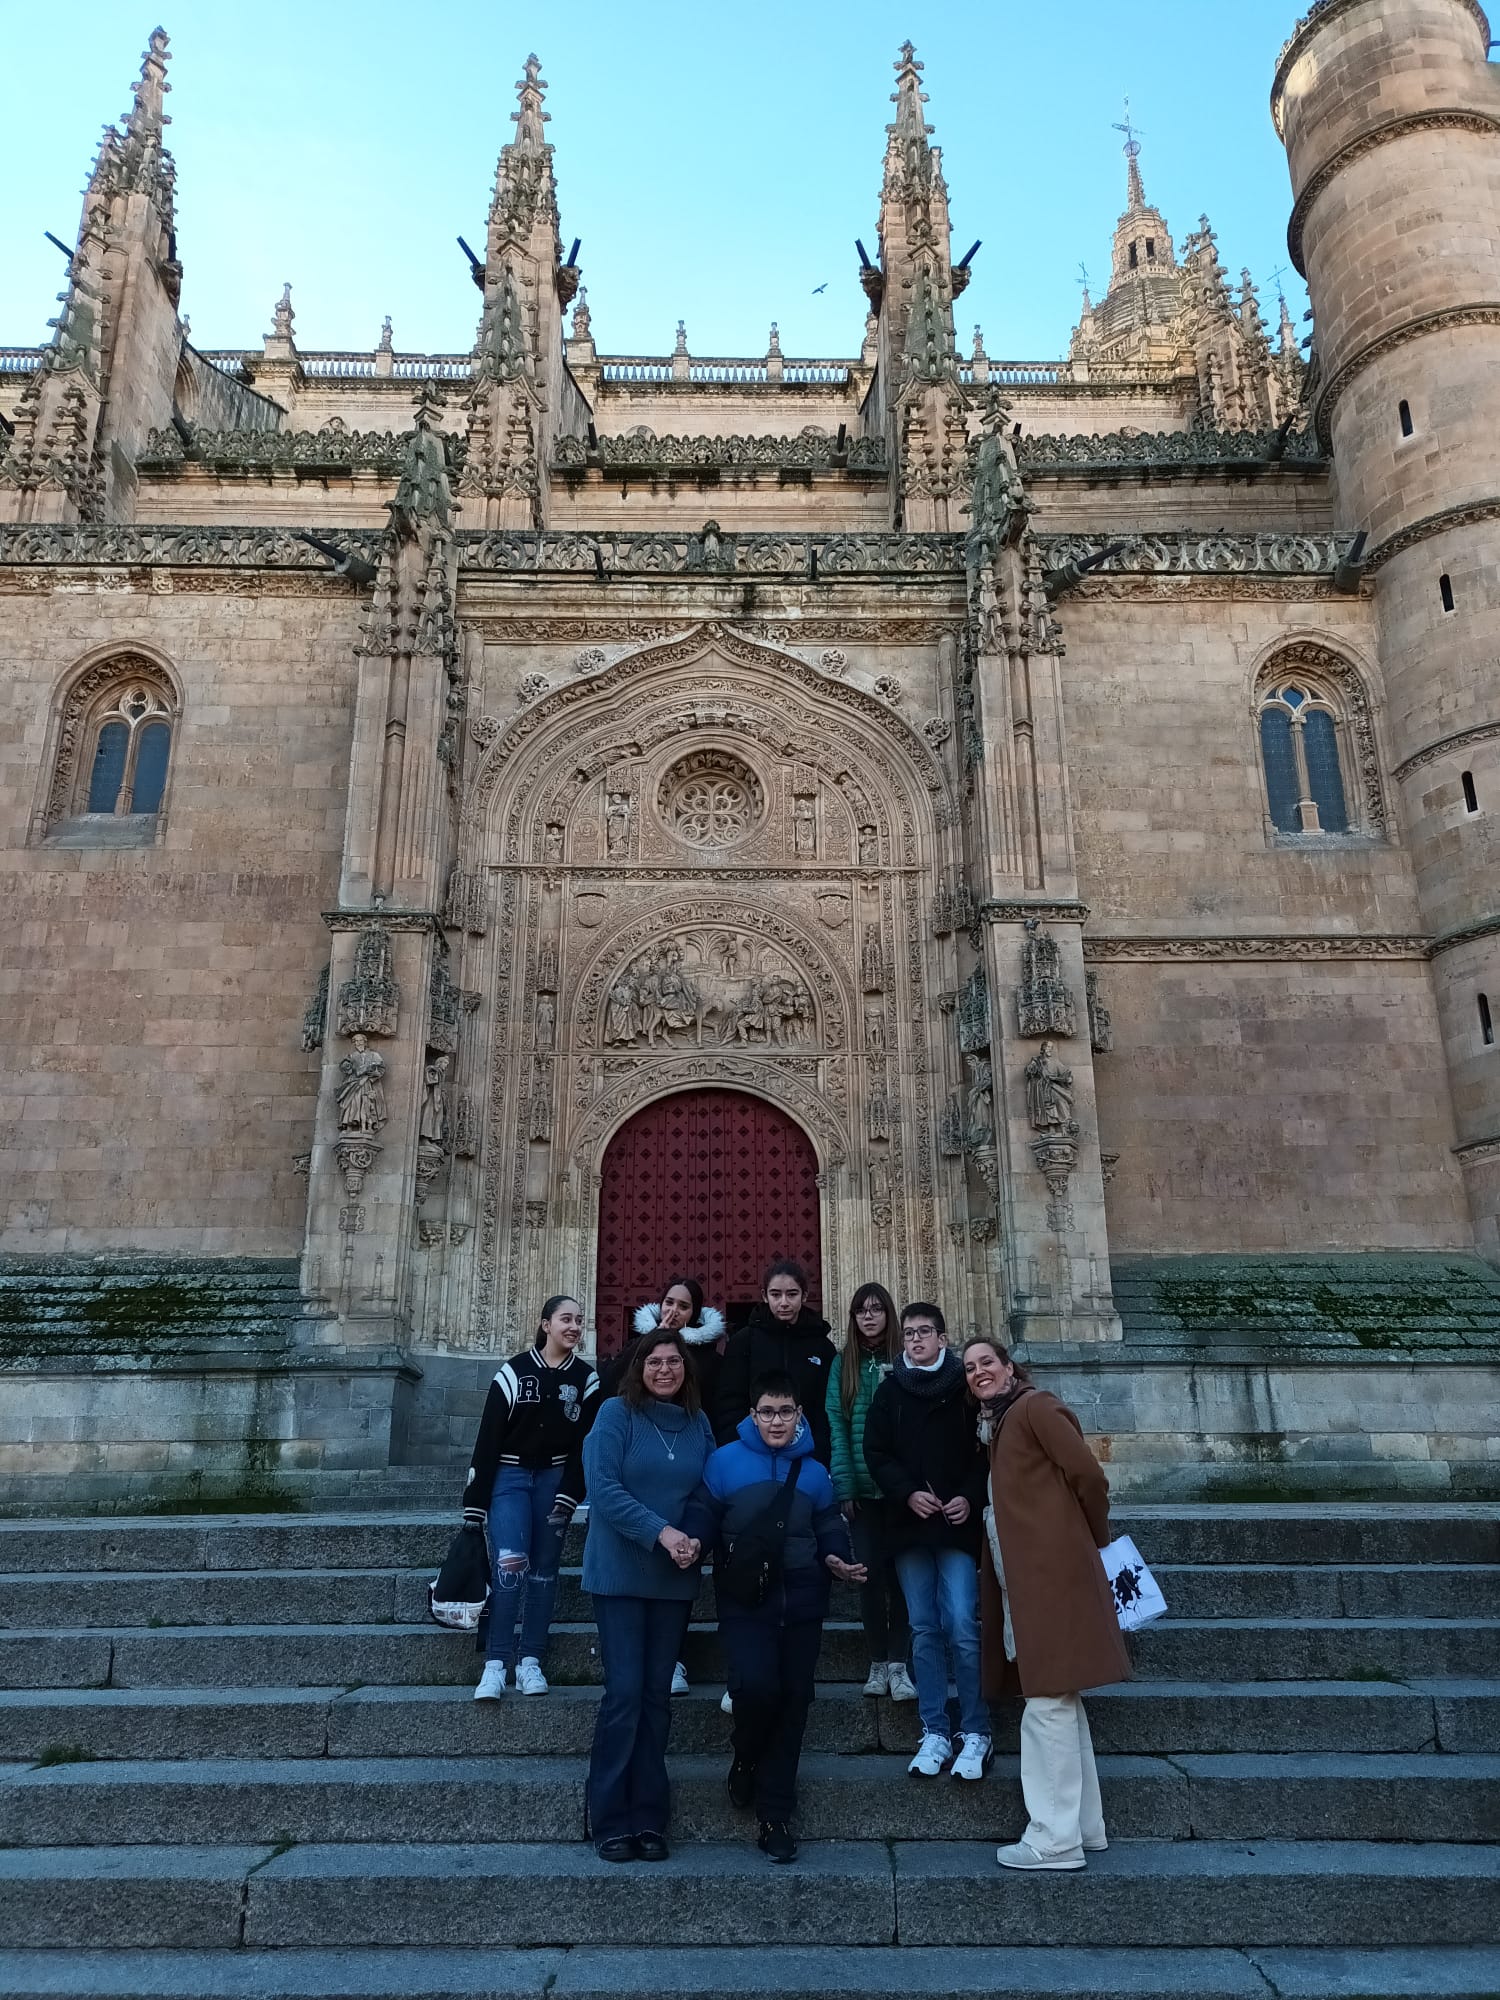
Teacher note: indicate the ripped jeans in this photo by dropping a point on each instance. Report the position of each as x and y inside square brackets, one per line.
[526, 1551]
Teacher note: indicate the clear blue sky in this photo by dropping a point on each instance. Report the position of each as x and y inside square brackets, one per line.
[717, 162]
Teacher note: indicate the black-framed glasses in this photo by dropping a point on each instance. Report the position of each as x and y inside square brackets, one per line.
[921, 1329]
[781, 1415]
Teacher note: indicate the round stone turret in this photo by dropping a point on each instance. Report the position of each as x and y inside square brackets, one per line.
[1390, 113]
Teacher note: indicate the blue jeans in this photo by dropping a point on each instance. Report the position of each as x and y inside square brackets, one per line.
[640, 1641]
[520, 1533]
[941, 1588]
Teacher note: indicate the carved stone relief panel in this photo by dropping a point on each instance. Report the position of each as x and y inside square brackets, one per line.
[706, 987]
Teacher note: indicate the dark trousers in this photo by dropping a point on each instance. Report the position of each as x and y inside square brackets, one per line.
[640, 1641]
[771, 1671]
[882, 1608]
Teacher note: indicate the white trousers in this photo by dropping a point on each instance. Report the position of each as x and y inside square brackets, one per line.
[1058, 1779]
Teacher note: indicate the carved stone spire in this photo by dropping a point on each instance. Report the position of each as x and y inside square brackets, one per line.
[523, 210]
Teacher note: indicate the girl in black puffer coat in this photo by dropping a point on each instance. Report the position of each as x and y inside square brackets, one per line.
[784, 1335]
[702, 1328]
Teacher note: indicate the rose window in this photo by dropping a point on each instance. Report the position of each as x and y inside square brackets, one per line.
[710, 801]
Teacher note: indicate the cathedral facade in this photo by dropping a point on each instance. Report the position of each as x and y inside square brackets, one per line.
[537, 819]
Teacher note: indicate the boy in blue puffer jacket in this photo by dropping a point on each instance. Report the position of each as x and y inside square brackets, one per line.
[773, 1650]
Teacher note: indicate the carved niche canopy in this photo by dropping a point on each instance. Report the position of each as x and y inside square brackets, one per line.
[710, 799]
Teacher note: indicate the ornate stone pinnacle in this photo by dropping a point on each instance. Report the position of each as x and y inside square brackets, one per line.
[282, 314]
[682, 346]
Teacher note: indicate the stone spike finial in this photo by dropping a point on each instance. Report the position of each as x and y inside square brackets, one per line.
[385, 345]
[582, 318]
[282, 314]
[681, 347]
[775, 342]
[529, 117]
[147, 114]
[1288, 342]
[1135, 186]
[909, 96]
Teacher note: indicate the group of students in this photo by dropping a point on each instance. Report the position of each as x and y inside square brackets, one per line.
[961, 1499]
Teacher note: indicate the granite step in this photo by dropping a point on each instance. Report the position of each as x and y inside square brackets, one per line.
[790, 1972]
[1320, 1796]
[406, 1535]
[1142, 1718]
[1162, 1893]
[325, 1655]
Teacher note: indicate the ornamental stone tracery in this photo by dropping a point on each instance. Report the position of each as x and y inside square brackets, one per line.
[710, 799]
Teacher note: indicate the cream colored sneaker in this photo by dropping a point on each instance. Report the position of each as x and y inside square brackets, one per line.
[491, 1681]
[903, 1687]
[1023, 1856]
[530, 1679]
[880, 1679]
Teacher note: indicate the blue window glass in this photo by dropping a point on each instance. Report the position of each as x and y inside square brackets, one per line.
[109, 767]
[151, 767]
[1324, 779]
[1282, 790]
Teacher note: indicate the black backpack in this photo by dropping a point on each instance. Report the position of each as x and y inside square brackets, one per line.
[751, 1569]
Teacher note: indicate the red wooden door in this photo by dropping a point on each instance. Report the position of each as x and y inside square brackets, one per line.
[711, 1183]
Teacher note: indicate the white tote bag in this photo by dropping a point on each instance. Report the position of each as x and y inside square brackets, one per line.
[1137, 1595]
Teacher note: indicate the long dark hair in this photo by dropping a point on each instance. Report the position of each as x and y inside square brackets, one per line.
[1002, 1354]
[785, 1267]
[854, 1349]
[694, 1291]
[549, 1307]
[633, 1390]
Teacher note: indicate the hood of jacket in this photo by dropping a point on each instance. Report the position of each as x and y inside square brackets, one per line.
[748, 1433]
[807, 1327]
[929, 1385]
[708, 1330]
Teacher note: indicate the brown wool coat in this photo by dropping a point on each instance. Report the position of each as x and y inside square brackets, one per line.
[1051, 1502]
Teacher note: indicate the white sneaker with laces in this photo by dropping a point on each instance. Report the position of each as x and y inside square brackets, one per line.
[727, 1702]
[903, 1687]
[933, 1753]
[530, 1679]
[680, 1679]
[880, 1678]
[1021, 1855]
[491, 1681]
[971, 1760]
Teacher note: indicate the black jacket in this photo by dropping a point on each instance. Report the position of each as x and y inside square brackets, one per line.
[922, 1433]
[534, 1415]
[702, 1343]
[802, 1350]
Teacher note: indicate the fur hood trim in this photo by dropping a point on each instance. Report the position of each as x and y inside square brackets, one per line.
[708, 1330]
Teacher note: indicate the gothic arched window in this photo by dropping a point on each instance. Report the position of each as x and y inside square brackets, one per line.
[1317, 745]
[114, 751]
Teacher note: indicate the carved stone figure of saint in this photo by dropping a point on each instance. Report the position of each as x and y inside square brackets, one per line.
[433, 1124]
[979, 1116]
[804, 827]
[1049, 1091]
[617, 822]
[869, 847]
[362, 1089]
[546, 1020]
[621, 1019]
[552, 845]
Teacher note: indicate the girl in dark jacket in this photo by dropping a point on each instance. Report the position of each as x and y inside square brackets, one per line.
[783, 1335]
[872, 1347]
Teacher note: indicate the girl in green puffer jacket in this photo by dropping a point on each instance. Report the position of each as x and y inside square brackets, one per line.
[871, 1345]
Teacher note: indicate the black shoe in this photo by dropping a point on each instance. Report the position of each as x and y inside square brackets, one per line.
[776, 1841]
[651, 1847]
[620, 1847]
[741, 1784]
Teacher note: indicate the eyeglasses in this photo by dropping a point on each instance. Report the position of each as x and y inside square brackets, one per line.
[783, 1414]
[921, 1329]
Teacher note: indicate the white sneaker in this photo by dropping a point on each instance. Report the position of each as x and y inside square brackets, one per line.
[491, 1681]
[727, 1703]
[880, 1678]
[903, 1687]
[971, 1760]
[1023, 1856]
[933, 1753]
[680, 1679]
[530, 1679]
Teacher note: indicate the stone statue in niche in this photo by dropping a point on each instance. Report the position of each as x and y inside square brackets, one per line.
[974, 1014]
[617, 824]
[979, 1108]
[880, 1193]
[432, 1127]
[545, 1026]
[804, 827]
[951, 1134]
[676, 992]
[1049, 1093]
[362, 1090]
[1044, 1005]
[444, 1002]
[370, 1000]
[871, 960]
[869, 847]
[552, 842]
[546, 966]
[875, 1027]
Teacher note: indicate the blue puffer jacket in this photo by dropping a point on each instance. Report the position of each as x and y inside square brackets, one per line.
[739, 1481]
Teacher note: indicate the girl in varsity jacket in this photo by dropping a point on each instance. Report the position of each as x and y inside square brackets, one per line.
[525, 1481]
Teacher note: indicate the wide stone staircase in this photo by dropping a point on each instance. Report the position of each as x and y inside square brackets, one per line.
[239, 1760]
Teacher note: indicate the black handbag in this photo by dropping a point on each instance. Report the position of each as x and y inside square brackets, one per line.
[457, 1595]
[751, 1567]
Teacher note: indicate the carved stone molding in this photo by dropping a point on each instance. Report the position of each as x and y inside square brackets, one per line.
[1056, 1160]
[1101, 1027]
[1288, 949]
[1465, 934]
[664, 553]
[1469, 515]
[355, 1157]
[1478, 1152]
[386, 920]
[315, 1019]
[1189, 553]
[994, 912]
[1481, 313]
[765, 1078]
[369, 1001]
[1044, 1004]
[1320, 15]
[114, 543]
[1368, 142]
[641, 450]
[1447, 746]
[1202, 449]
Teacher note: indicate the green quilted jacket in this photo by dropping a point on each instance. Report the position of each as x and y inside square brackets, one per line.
[851, 1476]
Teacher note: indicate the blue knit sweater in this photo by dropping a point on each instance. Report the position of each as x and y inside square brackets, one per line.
[637, 1488]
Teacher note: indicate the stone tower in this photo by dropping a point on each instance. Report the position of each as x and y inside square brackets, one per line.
[1390, 114]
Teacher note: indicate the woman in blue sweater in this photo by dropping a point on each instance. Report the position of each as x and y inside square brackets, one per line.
[773, 1647]
[643, 1459]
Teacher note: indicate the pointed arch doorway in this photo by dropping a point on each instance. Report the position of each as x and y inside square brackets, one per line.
[714, 1183]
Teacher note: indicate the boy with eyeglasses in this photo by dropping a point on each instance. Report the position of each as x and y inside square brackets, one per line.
[923, 1452]
[773, 1648]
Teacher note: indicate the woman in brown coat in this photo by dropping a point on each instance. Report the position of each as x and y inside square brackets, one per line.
[1047, 1613]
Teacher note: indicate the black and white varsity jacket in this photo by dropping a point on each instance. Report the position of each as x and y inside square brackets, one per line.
[534, 1415]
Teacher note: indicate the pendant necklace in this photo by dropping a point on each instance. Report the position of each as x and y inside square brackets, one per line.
[669, 1449]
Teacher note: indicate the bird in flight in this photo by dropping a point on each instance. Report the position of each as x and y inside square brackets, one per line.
[818, 288]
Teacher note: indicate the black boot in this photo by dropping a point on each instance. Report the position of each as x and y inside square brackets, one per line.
[776, 1841]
